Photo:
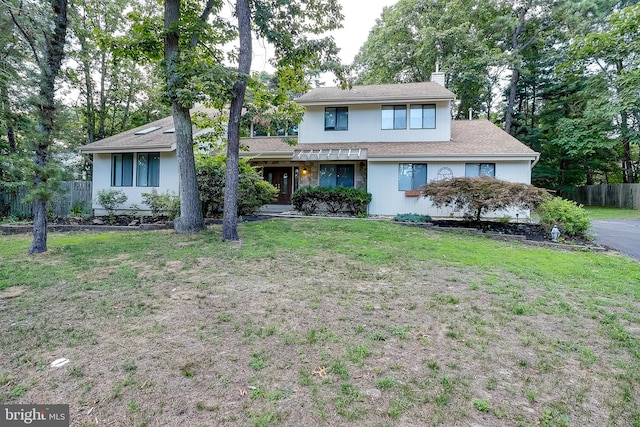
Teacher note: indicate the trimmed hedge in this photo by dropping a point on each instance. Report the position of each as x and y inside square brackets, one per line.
[335, 199]
[412, 217]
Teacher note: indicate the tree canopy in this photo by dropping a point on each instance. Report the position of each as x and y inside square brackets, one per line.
[561, 76]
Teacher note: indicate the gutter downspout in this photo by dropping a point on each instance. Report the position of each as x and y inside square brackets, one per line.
[535, 162]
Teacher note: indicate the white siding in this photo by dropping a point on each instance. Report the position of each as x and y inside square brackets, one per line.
[514, 171]
[388, 200]
[102, 180]
[365, 125]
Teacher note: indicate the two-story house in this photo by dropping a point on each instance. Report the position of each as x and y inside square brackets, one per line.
[388, 139]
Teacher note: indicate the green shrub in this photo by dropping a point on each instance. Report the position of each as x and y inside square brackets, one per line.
[412, 217]
[77, 209]
[570, 217]
[335, 199]
[307, 199]
[253, 190]
[162, 204]
[111, 199]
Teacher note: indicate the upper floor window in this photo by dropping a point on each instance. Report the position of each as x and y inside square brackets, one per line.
[338, 175]
[122, 170]
[148, 171]
[394, 117]
[473, 170]
[411, 176]
[422, 116]
[336, 118]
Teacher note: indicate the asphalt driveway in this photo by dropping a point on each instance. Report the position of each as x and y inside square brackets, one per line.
[620, 234]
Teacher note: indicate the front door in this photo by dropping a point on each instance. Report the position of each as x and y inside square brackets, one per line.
[282, 179]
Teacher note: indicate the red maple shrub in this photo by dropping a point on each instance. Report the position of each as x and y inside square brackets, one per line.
[483, 194]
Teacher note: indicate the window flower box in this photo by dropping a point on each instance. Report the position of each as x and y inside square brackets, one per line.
[412, 193]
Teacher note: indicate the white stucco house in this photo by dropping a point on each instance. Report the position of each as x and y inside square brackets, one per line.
[136, 161]
[388, 139]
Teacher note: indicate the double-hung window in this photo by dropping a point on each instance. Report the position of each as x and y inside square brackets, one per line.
[338, 175]
[122, 170]
[473, 170]
[411, 176]
[336, 118]
[394, 117]
[148, 170]
[422, 116]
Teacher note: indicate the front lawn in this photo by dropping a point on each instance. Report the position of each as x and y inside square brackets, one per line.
[319, 322]
[600, 212]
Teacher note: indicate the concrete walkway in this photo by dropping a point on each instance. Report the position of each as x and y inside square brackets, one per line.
[620, 234]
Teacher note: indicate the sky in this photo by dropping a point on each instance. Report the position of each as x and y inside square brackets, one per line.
[359, 17]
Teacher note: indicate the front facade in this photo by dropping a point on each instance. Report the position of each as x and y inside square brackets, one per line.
[387, 139]
[136, 162]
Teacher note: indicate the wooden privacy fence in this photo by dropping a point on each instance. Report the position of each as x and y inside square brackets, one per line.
[70, 194]
[616, 195]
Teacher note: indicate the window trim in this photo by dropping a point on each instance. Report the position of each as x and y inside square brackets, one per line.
[413, 184]
[422, 110]
[479, 164]
[148, 155]
[114, 174]
[337, 110]
[337, 165]
[393, 108]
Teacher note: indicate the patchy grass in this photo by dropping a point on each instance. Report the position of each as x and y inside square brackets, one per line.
[319, 322]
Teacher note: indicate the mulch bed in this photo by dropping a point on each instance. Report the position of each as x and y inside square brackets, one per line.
[528, 232]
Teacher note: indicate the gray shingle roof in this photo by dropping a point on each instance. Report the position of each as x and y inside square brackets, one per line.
[156, 140]
[468, 138]
[403, 92]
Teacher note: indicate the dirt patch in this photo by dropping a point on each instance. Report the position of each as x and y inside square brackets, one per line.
[12, 292]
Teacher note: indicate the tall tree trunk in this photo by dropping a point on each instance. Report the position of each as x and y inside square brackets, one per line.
[230, 219]
[90, 109]
[516, 48]
[8, 117]
[628, 173]
[533, 107]
[11, 136]
[88, 86]
[127, 107]
[513, 87]
[102, 114]
[49, 69]
[190, 219]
